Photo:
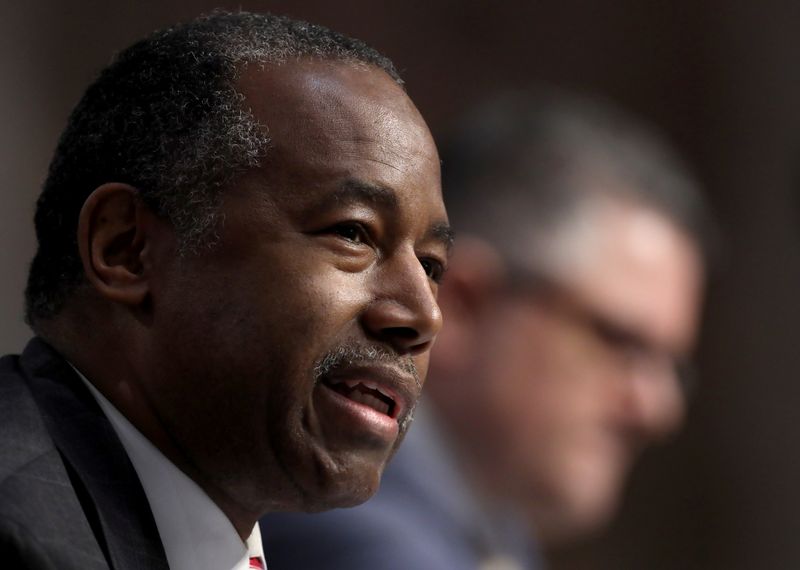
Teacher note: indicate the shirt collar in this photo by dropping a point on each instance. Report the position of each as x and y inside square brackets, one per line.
[195, 533]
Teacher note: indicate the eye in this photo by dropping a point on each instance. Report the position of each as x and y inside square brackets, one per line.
[433, 269]
[351, 231]
[619, 338]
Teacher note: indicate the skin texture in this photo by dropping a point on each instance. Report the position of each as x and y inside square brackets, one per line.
[568, 383]
[337, 240]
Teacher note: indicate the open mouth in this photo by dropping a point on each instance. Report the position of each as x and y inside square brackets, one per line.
[365, 393]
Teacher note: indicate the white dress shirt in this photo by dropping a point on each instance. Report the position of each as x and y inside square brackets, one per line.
[195, 533]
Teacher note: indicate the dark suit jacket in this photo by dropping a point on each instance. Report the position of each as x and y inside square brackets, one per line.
[69, 496]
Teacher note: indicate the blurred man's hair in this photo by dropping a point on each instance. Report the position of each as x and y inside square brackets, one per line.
[165, 118]
[525, 163]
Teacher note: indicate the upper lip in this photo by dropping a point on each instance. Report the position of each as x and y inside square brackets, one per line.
[391, 380]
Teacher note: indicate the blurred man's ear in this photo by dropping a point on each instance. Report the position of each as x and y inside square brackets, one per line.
[474, 277]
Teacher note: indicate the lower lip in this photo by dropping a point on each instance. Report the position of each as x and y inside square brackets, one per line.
[353, 420]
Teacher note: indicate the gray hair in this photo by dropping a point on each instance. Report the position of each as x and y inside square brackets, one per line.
[520, 167]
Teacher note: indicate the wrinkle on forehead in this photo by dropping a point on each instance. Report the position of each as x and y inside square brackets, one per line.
[375, 129]
[331, 121]
[331, 100]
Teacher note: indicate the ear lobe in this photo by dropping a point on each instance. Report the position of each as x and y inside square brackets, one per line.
[111, 241]
[476, 272]
[474, 275]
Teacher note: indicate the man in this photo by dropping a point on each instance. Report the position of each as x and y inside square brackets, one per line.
[240, 241]
[571, 304]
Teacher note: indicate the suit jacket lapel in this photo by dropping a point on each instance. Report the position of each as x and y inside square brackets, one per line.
[104, 477]
[46, 528]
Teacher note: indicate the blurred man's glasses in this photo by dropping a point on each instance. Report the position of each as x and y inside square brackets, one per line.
[630, 347]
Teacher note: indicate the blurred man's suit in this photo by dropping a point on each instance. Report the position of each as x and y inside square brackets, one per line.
[423, 500]
[60, 452]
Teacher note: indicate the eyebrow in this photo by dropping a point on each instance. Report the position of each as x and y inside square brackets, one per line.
[353, 190]
[444, 233]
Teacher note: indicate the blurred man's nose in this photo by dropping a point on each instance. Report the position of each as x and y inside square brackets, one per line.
[404, 312]
[655, 404]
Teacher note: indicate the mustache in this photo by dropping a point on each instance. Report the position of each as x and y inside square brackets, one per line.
[348, 355]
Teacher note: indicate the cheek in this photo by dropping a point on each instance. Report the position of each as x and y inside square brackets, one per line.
[521, 362]
[311, 300]
[422, 362]
[511, 380]
[541, 391]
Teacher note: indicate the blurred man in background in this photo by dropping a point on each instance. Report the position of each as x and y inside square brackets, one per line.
[572, 304]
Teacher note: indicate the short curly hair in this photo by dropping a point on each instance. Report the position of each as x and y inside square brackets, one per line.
[518, 168]
[166, 118]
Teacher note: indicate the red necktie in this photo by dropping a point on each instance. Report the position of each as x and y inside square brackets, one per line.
[255, 563]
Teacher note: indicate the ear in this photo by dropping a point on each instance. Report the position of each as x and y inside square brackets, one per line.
[112, 240]
[475, 273]
[474, 276]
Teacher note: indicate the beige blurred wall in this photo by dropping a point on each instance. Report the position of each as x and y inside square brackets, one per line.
[722, 80]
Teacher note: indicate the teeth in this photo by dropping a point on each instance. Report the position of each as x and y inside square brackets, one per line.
[366, 383]
[337, 381]
[371, 386]
[370, 400]
[359, 391]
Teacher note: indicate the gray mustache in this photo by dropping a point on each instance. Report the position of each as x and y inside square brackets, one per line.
[349, 355]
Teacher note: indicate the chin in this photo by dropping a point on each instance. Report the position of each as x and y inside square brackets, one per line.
[340, 499]
[564, 524]
[591, 517]
[342, 487]
[574, 511]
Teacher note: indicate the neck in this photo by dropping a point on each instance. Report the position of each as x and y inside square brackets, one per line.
[108, 357]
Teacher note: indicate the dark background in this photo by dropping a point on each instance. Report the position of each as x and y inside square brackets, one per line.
[720, 78]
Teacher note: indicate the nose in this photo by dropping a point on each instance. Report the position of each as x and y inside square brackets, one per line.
[403, 312]
[655, 403]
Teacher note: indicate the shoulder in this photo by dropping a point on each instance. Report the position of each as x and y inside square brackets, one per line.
[23, 437]
[40, 515]
[25, 546]
[26, 430]
[20, 549]
[29, 462]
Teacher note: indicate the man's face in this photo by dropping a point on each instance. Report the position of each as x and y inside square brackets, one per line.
[289, 358]
[580, 375]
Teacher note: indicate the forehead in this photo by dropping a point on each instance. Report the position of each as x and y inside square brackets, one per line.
[311, 105]
[636, 266]
[340, 120]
